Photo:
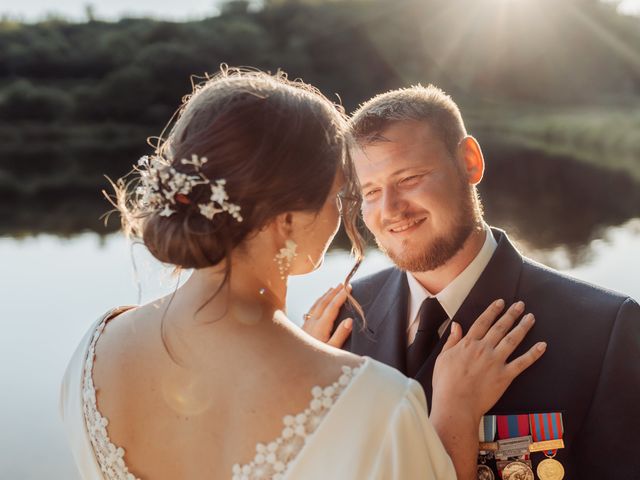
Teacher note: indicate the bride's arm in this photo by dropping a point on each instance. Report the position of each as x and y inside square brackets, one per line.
[471, 374]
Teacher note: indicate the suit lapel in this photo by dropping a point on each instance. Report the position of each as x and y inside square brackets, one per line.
[384, 337]
[499, 279]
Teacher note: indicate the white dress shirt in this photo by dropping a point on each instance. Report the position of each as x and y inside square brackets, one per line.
[453, 295]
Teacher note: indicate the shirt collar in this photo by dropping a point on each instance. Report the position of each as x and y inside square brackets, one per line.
[454, 294]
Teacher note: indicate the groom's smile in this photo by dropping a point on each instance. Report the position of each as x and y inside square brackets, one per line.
[407, 226]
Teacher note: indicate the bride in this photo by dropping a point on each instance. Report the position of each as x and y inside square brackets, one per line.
[213, 381]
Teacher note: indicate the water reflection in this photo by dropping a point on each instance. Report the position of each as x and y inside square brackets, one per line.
[546, 202]
[553, 202]
[56, 287]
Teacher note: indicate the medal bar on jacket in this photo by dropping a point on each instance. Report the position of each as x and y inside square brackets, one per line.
[519, 436]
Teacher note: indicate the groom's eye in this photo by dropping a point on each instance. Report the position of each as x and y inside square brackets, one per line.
[370, 193]
[411, 180]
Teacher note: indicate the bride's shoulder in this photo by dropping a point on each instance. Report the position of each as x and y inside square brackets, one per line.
[387, 375]
[391, 386]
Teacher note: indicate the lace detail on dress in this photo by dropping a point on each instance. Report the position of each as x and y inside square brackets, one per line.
[271, 461]
[110, 457]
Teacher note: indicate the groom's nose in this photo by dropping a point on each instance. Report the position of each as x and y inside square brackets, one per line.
[392, 204]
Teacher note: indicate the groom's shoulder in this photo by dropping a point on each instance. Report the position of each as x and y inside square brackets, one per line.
[539, 278]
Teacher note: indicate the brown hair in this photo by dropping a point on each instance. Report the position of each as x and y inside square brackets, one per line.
[277, 143]
[429, 104]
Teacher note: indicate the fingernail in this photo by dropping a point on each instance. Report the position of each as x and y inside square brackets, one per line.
[499, 303]
[542, 346]
[529, 318]
[348, 323]
[519, 306]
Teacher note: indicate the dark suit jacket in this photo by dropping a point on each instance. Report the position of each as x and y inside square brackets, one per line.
[590, 371]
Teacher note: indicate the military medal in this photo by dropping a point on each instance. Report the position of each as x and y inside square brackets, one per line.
[550, 469]
[486, 433]
[547, 430]
[485, 473]
[517, 471]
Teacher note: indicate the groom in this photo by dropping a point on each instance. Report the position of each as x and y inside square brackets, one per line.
[418, 170]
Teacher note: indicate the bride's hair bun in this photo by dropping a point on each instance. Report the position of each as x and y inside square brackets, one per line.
[276, 143]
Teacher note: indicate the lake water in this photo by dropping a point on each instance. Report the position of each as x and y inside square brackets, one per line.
[53, 288]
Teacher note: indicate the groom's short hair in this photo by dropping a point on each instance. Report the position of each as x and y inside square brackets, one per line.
[429, 104]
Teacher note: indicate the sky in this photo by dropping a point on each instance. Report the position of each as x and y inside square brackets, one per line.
[33, 10]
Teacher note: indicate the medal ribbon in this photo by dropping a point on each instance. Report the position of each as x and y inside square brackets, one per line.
[546, 426]
[512, 426]
[487, 432]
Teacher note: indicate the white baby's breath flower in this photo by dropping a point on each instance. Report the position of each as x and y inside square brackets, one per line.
[208, 210]
[218, 193]
[234, 211]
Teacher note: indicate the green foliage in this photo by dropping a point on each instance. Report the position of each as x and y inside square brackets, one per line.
[22, 100]
[64, 85]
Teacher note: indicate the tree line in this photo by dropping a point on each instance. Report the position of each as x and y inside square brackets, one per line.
[78, 99]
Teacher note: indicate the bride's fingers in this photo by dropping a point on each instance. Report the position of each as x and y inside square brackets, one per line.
[318, 307]
[342, 333]
[314, 307]
[480, 327]
[510, 342]
[332, 307]
[524, 361]
[454, 337]
[499, 329]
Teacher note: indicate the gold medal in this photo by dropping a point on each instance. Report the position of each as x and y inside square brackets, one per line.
[485, 473]
[517, 471]
[550, 469]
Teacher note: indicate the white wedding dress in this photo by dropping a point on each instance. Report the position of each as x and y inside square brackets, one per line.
[371, 423]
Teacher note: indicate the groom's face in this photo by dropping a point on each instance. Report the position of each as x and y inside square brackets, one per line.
[417, 200]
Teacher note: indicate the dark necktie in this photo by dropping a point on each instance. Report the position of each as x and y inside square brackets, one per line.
[432, 315]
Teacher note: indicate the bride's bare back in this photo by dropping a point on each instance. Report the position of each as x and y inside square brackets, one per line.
[236, 384]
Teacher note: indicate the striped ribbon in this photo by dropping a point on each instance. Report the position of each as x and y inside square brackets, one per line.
[546, 426]
[511, 426]
[487, 431]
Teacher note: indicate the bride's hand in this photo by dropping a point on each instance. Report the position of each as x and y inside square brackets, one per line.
[472, 371]
[320, 319]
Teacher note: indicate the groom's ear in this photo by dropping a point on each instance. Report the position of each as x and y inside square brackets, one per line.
[471, 158]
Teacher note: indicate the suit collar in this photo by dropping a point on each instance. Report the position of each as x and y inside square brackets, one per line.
[385, 335]
[499, 279]
[390, 302]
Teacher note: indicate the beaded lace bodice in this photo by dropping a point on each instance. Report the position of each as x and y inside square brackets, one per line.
[270, 461]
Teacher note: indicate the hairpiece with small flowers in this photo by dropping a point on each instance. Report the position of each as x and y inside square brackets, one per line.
[162, 187]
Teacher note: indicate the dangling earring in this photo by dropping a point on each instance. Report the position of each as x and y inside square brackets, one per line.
[285, 256]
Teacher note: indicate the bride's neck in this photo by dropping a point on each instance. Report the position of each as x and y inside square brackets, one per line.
[248, 282]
